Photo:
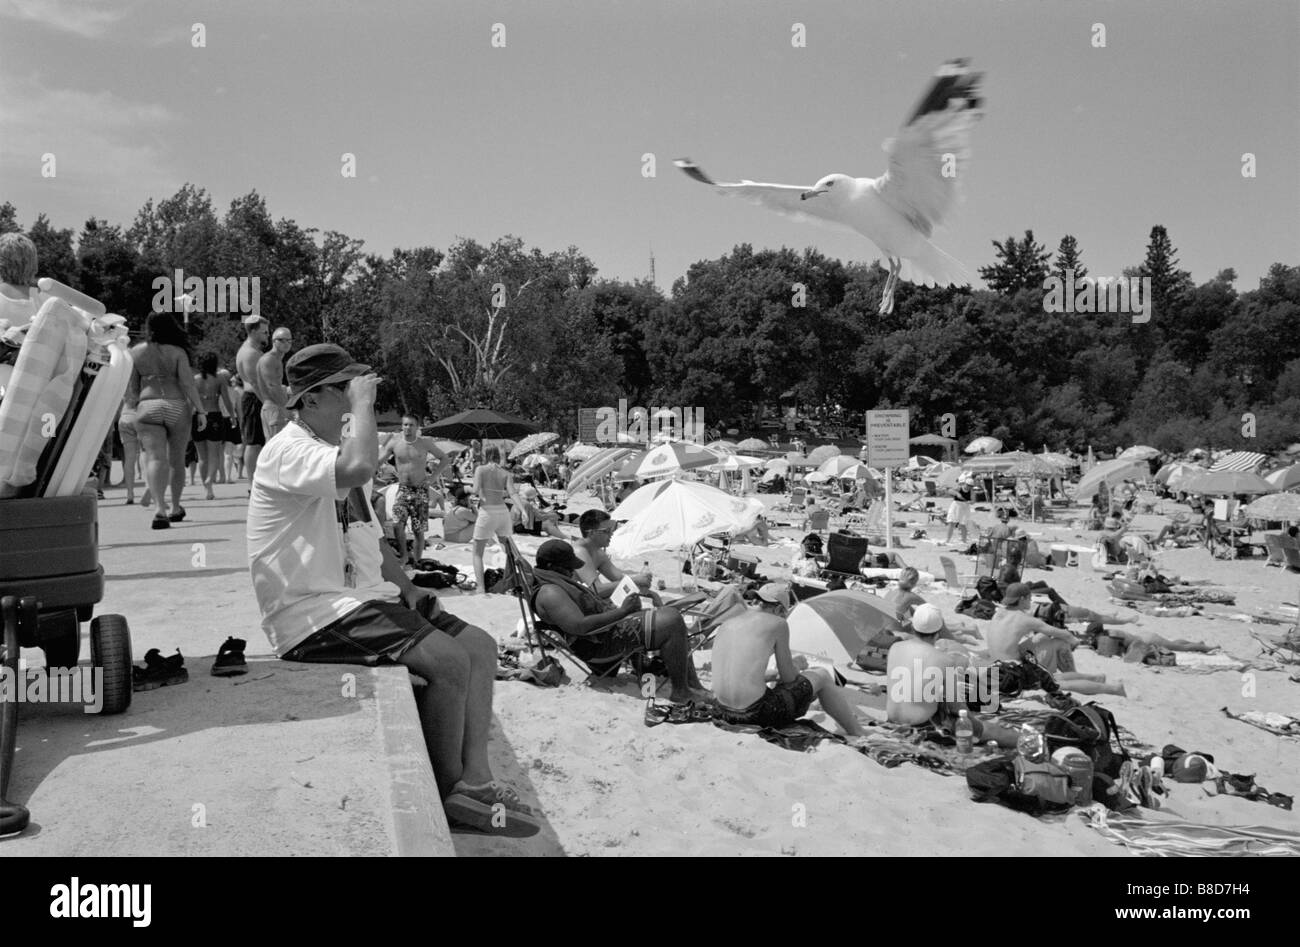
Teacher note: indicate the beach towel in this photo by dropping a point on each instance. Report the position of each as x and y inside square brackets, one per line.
[40, 387]
[1168, 837]
[1280, 724]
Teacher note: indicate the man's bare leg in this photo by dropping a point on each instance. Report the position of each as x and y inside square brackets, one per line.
[834, 701]
[668, 637]
[1079, 613]
[250, 459]
[482, 651]
[445, 664]
[399, 536]
[1091, 687]
[417, 548]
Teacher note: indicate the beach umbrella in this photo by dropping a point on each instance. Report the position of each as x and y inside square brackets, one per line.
[1108, 472]
[1035, 466]
[820, 455]
[537, 460]
[859, 471]
[1286, 478]
[1174, 475]
[667, 459]
[1064, 461]
[725, 447]
[778, 465]
[1293, 449]
[835, 466]
[934, 440]
[679, 515]
[984, 445]
[835, 626]
[640, 498]
[1139, 452]
[732, 462]
[920, 462]
[818, 476]
[532, 443]
[949, 479]
[451, 448]
[606, 461]
[1282, 507]
[482, 424]
[753, 443]
[1227, 482]
[988, 464]
[581, 452]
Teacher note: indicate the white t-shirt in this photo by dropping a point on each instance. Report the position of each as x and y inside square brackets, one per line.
[296, 546]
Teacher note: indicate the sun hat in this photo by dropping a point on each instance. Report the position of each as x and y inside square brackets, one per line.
[778, 593]
[1016, 593]
[318, 365]
[557, 553]
[927, 619]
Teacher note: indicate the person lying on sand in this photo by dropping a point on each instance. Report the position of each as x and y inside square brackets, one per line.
[1130, 635]
[600, 632]
[741, 650]
[1014, 631]
[598, 570]
[906, 670]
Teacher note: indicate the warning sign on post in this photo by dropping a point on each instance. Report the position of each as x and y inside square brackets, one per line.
[888, 433]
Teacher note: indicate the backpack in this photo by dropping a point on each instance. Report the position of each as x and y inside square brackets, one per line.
[1092, 729]
[977, 608]
[987, 589]
[994, 780]
[874, 655]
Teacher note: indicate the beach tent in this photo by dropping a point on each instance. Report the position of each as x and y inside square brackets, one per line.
[835, 626]
[1109, 472]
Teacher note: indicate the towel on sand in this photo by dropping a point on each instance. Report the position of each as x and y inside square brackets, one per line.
[1158, 836]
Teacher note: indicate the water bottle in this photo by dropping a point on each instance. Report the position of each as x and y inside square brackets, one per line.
[645, 570]
[965, 733]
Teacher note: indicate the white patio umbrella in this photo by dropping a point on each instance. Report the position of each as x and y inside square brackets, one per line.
[669, 459]
[818, 476]
[778, 466]
[1281, 507]
[753, 443]
[537, 460]
[1109, 472]
[581, 452]
[680, 515]
[1287, 478]
[859, 471]
[984, 445]
[820, 455]
[533, 442]
[1139, 452]
[835, 466]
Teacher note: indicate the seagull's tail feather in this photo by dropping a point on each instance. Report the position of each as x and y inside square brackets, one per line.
[933, 267]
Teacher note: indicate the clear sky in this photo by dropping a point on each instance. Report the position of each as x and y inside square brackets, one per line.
[544, 138]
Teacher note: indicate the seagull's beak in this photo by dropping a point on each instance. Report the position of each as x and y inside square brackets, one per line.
[811, 193]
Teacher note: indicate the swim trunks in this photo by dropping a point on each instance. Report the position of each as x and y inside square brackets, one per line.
[250, 420]
[492, 521]
[780, 706]
[376, 633]
[163, 412]
[274, 419]
[412, 503]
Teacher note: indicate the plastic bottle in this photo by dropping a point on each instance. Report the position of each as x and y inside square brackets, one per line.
[965, 732]
[645, 570]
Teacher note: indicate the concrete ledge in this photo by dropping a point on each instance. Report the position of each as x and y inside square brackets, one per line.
[419, 823]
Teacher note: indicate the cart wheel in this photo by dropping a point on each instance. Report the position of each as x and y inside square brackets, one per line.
[13, 818]
[61, 639]
[110, 649]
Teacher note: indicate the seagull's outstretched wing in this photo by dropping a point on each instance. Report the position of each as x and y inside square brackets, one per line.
[783, 198]
[929, 156]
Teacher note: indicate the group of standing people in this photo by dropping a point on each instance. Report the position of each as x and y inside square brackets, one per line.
[168, 405]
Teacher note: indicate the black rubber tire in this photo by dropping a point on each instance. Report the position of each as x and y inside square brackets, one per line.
[13, 818]
[61, 639]
[110, 649]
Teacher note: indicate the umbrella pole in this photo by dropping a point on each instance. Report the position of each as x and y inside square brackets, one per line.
[889, 508]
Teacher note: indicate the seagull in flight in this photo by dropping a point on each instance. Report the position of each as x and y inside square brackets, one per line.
[900, 209]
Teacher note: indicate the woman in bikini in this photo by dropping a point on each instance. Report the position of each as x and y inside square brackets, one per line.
[163, 393]
[491, 486]
[210, 440]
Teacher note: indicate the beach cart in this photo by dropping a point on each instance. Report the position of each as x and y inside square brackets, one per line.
[50, 581]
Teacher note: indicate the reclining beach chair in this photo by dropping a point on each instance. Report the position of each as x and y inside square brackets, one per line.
[1291, 552]
[844, 556]
[1276, 553]
[958, 584]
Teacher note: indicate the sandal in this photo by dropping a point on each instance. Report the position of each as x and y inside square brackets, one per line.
[160, 522]
[492, 809]
[159, 671]
[230, 659]
[177, 517]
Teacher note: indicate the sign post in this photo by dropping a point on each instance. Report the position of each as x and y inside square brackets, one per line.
[888, 433]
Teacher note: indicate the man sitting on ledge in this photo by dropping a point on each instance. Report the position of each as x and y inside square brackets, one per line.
[601, 633]
[331, 591]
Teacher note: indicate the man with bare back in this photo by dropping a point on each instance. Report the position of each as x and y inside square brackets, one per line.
[251, 434]
[270, 373]
[410, 451]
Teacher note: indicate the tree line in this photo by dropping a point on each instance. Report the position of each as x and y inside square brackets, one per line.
[540, 333]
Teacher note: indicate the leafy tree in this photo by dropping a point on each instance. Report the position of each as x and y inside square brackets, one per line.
[54, 254]
[9, 219]
[1021, 265]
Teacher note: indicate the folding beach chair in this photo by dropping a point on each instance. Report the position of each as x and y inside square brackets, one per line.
[958, 584]
[1276, 552]
[798, 496]
[1291, 552]
[844, 556]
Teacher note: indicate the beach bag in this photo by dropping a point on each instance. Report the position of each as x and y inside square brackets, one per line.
[987, 589]
[874, 656]
[1092, 729]
[1049, 782]
[977, 608]
[994, 780]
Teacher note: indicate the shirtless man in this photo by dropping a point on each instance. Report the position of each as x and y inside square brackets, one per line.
[1014, 631]
[270, 373]
[250, 404]
[598, 570]
[410, 451]
[741, 650]
[910, 666]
